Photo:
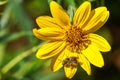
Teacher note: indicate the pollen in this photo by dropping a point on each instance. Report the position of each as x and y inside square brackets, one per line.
[76, 39]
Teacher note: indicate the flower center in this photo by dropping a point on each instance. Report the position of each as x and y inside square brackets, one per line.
[76, 39]
[70, 62]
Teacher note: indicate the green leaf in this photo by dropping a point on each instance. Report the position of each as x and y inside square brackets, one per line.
[20, 16]
[24, 69]
[5, 17]
[71, 2]
[18, 58]
[49, 75]
[2, 51]
[14, 36]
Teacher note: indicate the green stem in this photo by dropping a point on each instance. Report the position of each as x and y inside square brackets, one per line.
[2, 51]
[17, 59]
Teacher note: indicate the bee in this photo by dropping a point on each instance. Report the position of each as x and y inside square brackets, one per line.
[70, 62]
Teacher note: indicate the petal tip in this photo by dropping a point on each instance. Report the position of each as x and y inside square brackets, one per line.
[70, 72]
[87, 3]
[109, 48]
[100, 65]
[38, 20]
[89, 73]
[35, 31]
[54, 70]
[53, 3]
[37, 55]
[103, 8]
[40, 56]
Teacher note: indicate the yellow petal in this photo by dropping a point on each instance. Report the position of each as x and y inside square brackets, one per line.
[51, 32]
[36, 33]
[47, 22]
[57, 61]
[97, 19]
[59, 14]
[43, 35]
[82, 14]
[50, 49]
[84, 63]
[100, 42]
[94, 56]
[68, 53]
[70, 72]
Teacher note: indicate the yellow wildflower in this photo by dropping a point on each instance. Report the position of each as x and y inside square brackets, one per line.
[70, 44]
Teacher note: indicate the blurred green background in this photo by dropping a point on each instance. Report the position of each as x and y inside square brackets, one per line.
[18, 44]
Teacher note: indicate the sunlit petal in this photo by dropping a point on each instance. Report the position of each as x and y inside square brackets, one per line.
[46, 34]
[94, 56]
[100, 42]
[82, 14]
[47, 22]
[50, 49]
[57, 61]
[70, 72]
[84, 63]
[51, 32]
[59, 14]
[97, 19]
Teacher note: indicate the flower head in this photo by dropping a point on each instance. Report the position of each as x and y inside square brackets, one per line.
[72, 44]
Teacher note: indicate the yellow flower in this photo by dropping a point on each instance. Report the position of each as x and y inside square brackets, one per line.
[70, 44]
